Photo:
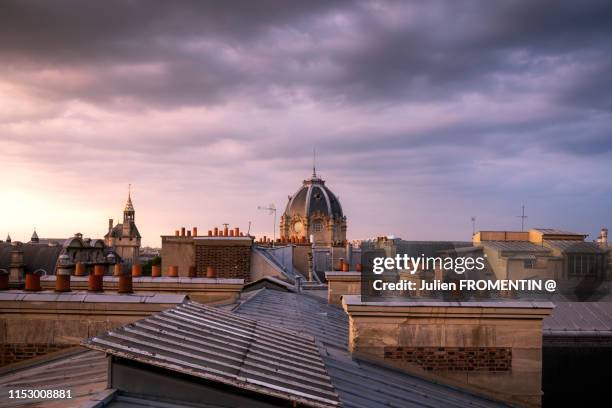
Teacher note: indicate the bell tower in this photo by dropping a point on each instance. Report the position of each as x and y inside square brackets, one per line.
[129, 214]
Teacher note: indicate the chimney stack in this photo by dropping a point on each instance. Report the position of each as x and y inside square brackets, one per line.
[110, 225]
[62, 277]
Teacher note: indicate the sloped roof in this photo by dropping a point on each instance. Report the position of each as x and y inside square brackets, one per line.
[221, 346]
[572, 246]
[359, 384]
[82, 371]
[428, 248]
[35, 256]
[117, 231]
[580, 318]
[516, 246]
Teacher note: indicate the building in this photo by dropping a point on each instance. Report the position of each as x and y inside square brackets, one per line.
[41, 255]
[314, 211]
[227, 251]
[124, 238]
[544, 253]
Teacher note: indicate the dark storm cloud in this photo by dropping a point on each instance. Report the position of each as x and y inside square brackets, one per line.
[205, 53]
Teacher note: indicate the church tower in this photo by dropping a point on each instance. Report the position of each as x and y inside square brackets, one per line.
[124, 238]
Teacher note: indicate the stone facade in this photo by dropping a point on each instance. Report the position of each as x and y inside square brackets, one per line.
[493, 350]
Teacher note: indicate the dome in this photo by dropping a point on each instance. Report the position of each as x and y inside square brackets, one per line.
[314, 198]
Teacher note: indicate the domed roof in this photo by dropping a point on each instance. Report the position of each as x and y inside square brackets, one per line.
[314, 197]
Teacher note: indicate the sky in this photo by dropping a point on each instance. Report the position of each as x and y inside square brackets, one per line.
[423, 114]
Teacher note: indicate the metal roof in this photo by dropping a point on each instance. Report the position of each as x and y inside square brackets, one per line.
[87, 297]
[580, 318]
[82, 371]
[515, 246]
[303, 313]
[552, 231]
[574, 246]
[359, 384]
[221, 346]
[35, 256]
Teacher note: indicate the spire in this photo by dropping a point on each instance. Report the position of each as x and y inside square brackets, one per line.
[314, 162]
[34, 236]
[8, 238]
[128, 205]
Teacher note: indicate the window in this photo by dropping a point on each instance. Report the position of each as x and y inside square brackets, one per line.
[585, 265]
[317, 226]
[529, 263]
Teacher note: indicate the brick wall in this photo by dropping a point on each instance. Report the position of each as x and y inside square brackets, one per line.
[454, 358]
[231, 260]
[12, 353]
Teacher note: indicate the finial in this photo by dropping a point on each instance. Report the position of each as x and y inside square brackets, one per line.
[130, 190]
[314, 162]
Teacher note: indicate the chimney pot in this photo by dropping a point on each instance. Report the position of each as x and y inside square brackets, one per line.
[118, 270]
[173, 271]
[216, 229]
[136, 270]
[236, 232]
[4, 280]
[95, 283]
[188, 233]
[99, 269]
[192, 272]
[177, 233]
[194, 231]
[231, 233]
[156, 271]
[210, 233]
[182, 231]
[210, 272]
[125, 284]
[79, 269]
[32, 282]
[225, 229]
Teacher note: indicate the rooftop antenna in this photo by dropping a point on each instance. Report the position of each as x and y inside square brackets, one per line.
[271, 208]
[523, 217]
[473, 226]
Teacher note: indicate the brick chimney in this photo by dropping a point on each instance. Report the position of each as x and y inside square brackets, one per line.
[490, 349]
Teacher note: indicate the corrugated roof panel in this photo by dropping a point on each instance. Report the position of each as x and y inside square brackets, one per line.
[222, 346]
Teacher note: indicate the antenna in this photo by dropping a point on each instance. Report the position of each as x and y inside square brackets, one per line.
[523, 217]
[271, 208]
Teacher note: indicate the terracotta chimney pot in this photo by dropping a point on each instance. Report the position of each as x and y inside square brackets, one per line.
[210, 272]
[192, 272]
[79, 269]
[173, 271]
[136, 270]
[99, 269]
[194, 232]
[125, 284]
[32, 282]
[95, 283]
[156, 271]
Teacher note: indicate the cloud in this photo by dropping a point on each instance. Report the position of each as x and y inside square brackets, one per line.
[225, 100]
